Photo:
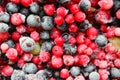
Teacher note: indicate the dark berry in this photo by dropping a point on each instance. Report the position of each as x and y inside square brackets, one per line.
[63, 1]
[115, 72]
[89, 68]
[10, 43]
[34, 7]
[94, 76]
[4, 27]
[75, 71]
[4, 16]
[24, 11]
[47, 46]
[44, 35]
[85, 4]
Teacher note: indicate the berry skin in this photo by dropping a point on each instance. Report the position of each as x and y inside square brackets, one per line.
[92, 33]
[94, 76]
[101, 40]
[79, 78]
[4, 27]
[72, 40]
[10, 43]
[36, 60]
[12, 54]
[35, 35]
[85, 4]
[61, 11]
[57, 50]
[49, 9]
[15, 1]
[89, 68]
[63, 1]
[56, 62]
[105, 4]
[58, 20]
[55, 33]
[116, 63]
[34, 7]
[47, 46]
[15, 36]
[17, 19]
[69, 19]
[59, 41]
[29, 68]
[84, 60]
[7, 70]
[25, 11]
[115, 72]
[81, 48]
[64, 73]
[26, 3]
[101, 55]
[18, 75]
[44, 56]
[74, 8]
[117, 31]
[73, 28]
[4, 17]
[70, 78]
[68, 60]
[103, 64]
[11, 7]
[75, 71]
[118, 14]
[44, 35]
[47, 23]
[80, 16]
[21, 29]
[4, 47]
[27, 44]
[33, 20]
[27, 57]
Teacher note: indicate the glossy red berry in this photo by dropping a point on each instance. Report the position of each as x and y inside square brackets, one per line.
[17, 19]
[15, 36]
[58, 20]
[35, 35]
[104, 74]
[36, 60]
[26, 3]
[3, 37]
[88, 51]
[49, 9]
[11, 54]
[69, 19]
[56, 62]
[80, 16]
[64, 73]
[94, 2]
[61, 11]
[7, 70]
[18, 48]
[59, 41]
[73, 28]
[74, 8]
[55, 33]
[68, 60]
[84, 60]
[72, 40]
[101, 55]
[110, 48]
[57, 50]
[44, 56]
[80, 39]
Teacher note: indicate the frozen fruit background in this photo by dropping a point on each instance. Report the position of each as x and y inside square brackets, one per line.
[59, 39]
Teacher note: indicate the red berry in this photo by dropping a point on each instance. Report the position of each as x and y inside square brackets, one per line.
[36, 60]
[3, 37]
[21, 29]
[59, 41]
[12, 53]
[92, 32]
[17, 18]
[57, 50]
[76, 60]
[84, 60]
[81, 48]
[103, 28]
[101, 55]
[68, 60]
[4, 47]
[88, 51]
[69, 19]
[72, 40]
[27, 56]
[58, 20]
[70, 78]
[18, 48]
[15, 1]
[80, 16]
[61, 11]
[44, 56]
[104, 74]
[116, 63]
[55, 33]
[73, 28]
[79, 78]
[117, 31]
[105, 4]
[74, 8]
[87, 41]
[26, 3]
[80, 39]
[94, 2]
[15, 36]
[7, 70]
[110, 33]
[30, 29]
[75, 1]
[20, 63]
[93, 46]
[49, 9]
[56, 62]
[35, 36]
[110, 48]
[118, 14]
[64, 73]
[103, 64]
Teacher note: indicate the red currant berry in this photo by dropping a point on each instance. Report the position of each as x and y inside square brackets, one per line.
[4, 47]
[49, 9]
[27, 56]
[80, 16]
[21, 62]
[72, 40]
[103, 64]
[3, 37]
[7, 70]
[84, 60]
[15, 36]
[118, 14]
[26, 3]
[35, 36]
[44, 56]
[69, 19]
[73, 28]
[64, 73]
[70, 78]
[36, 60]
[21, 29]
[61, 11]
[74, 8]
[59, 41]
[79, 78]
[55, 33]
[15, 1]
[58, 20]
[116, 63]
[68, 60]
[81, 48]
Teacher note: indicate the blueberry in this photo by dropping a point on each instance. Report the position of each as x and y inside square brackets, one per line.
[70, 48]
[29, 68]
[47, 23]
[30, 77]
[45, 35]
[4, 27]
[116, 6]
[85, 4]
[115, 73]
[33, 20]
[63, 1]
[63, 27]
[10, 43]
[89, 68]
[66, 36]
[75, 71]
[11, 7]
[24, 11]
[47, 45]
[27, 44]
[94, 76]
[34, 7]
[18, 75]
[42, 75]
[101, 40]
[4, 17]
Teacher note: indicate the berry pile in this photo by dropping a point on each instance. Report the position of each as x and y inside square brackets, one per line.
[59, 39]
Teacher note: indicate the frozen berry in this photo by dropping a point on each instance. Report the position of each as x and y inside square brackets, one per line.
[34, 7]
[26, 3]
[44, 35]
[47, 46]
[85, 4]
[4, 16]
[4, 27]
[75, 71]
[49, 9]
[115, 72]
[94, 76]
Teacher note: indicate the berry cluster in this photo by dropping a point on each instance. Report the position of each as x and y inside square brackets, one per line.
[59, 40]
